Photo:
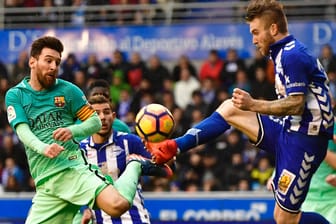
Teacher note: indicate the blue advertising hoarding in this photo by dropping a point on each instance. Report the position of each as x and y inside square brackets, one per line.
[174, 208]
[168, 42]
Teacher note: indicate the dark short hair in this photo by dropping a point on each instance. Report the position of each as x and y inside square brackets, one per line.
[100, 99]
[98, 83]
[46, 42]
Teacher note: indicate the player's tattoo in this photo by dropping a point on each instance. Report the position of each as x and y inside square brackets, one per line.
[291, 105]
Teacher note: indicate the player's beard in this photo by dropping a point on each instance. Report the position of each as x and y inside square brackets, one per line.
[46, 80]
[268, 41]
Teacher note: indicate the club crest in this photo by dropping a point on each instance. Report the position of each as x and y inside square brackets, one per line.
[59, 101]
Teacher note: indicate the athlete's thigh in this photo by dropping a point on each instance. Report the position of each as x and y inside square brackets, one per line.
[49, 209]
[298, 157]
[79, 185]
[245, 121]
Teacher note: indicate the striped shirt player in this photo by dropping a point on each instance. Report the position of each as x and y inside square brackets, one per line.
[111, 158]
[295, 128]
[299, 153]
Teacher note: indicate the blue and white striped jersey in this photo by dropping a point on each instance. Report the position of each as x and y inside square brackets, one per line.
[111, 158]
[298, 72]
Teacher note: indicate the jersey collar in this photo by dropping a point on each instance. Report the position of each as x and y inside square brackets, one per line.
[276, 47]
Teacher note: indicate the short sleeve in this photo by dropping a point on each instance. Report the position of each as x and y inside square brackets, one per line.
[296, 73]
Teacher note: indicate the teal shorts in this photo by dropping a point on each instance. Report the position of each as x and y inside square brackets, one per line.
[59, 198]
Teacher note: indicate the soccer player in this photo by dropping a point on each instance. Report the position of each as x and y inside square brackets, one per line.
[101, 87]
[109, 150]
[42, 110]
[295, 128]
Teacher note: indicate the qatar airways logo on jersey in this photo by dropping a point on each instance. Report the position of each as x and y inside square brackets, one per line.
[47, 120]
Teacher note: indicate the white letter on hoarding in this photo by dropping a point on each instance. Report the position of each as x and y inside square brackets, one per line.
[16, 41]
[322, 33]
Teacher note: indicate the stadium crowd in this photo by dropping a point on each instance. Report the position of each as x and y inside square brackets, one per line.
[190, 90]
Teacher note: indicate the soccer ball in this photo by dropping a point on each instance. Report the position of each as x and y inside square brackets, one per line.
[154, 123]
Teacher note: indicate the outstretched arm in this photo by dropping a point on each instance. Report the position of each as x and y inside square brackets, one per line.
[79, 131]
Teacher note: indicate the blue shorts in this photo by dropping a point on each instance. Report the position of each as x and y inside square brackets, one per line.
[297, 156]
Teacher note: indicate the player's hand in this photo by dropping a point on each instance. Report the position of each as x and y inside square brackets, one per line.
[62, 134]
[53, 150]
[241, 99]
[163, 151]
[87, 216]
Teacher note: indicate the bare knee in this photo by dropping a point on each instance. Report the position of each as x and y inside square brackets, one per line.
[111, 202]
[227, 110]
[117, 208]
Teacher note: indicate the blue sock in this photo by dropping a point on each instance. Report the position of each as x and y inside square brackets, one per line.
[208, 129]
[312, 218]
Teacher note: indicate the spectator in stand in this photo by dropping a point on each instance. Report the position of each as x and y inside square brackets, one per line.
[261, 88]
[184, 88]
[180, 123]
[69, 67]
[78, 15]
[332, 86]
[220, 96]
[328, 58]
[212, 171]
[4, 86]
[190, 170]
[118, 84]
[257, 61]
[79, 80]
[168, 100]
[261, 173]
[197, 103]
[12, 177]
[20, 68]
[261, 61]
[136, 71]
[47, 14]
[212, 67]
[236, 171]
[208, 90]
[183, 63]
[244, 184]
[15, 150]
[118, 63]
[232, 64]
[124, 105]
[157, 73]
[93, 69]
[123, 15]
[3, 70]
[241, 81]
[145, 89]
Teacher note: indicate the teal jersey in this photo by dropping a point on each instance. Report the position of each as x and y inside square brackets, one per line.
[119, 125]
[319, 189]
[44, 112]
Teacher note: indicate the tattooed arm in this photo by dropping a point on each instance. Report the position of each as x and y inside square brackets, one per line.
[291, 105]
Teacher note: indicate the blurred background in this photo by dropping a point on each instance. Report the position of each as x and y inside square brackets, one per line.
[188, 56]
